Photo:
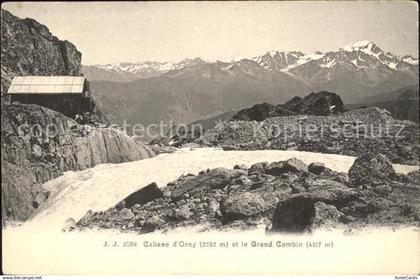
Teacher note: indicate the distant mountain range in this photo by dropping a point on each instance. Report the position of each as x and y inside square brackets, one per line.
[128, 72]
[361, 55]
[195, 89]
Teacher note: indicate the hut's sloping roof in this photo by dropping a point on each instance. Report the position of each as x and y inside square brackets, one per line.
[46, 85]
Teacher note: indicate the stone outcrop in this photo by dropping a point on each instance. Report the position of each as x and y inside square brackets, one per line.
[243, 205]
[291, 200]
[292, 165]
[214, 179]
[29, 48]
[322, 103]
[319, 104]
[260, 112]
[39, 144]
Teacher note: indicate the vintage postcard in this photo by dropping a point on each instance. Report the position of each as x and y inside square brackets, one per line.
[208, 138]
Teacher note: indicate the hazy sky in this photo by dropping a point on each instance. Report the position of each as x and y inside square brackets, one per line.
[172, 31]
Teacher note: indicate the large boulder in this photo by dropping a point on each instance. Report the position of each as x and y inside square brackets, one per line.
[214, 179]
[242, 205]
[293, 165]
[151, 224]
[296, 213]
[142, 196]
[326, 217]
[371, 169]
[317, 168]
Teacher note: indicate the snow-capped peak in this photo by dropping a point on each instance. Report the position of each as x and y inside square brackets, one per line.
[362, 44]
[365, 46]
[274, 53]
[149, 67]
[410, 60]
[359, 55]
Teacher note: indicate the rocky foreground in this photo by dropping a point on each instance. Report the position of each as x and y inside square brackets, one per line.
[285, 196]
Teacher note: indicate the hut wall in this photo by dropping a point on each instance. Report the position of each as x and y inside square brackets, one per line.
[68, 104]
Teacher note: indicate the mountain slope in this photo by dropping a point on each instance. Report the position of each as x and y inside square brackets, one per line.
[405, 93]
[403, 103]
[193, 93]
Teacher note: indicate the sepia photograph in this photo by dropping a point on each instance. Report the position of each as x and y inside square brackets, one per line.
[210, 138]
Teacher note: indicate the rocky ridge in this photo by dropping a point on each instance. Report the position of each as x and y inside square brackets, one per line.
[286, 196]
[29, 48]
[316, 123]
[351, 133]
[319, 104]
